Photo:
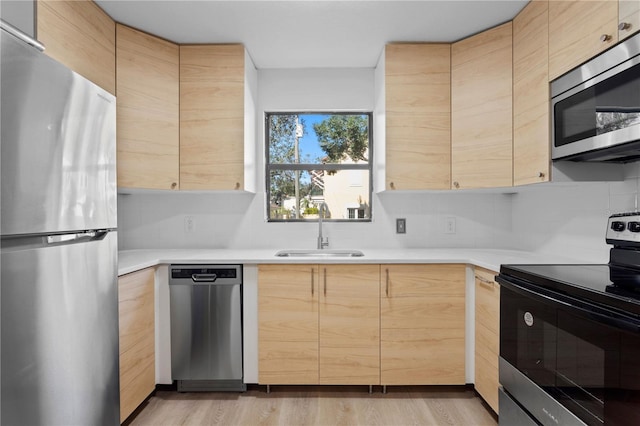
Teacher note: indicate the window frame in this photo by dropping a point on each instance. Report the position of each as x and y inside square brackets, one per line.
[308, 167]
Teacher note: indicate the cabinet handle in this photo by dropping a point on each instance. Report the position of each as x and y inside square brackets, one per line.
[392, 185]
[325, 282]
[622, 26]
[387, 286]
[541, 175]
[237, 186]
[456, 184]
[605, 38]
[312, 281]
[485, 281]
[174, 185]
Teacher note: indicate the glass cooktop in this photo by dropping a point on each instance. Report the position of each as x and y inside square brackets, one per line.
[607, 285]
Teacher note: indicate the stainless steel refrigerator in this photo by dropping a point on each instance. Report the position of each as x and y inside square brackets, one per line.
[59, 301]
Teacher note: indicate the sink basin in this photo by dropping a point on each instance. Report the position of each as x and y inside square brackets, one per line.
[319, 253]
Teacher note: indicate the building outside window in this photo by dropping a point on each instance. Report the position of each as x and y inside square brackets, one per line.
[316, 158]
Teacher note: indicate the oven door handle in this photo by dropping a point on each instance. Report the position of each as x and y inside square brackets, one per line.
[596, 313]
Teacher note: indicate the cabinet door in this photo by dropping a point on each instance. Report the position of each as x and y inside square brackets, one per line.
[579, 30]
[288, 324]
[147, 110]
[350, 324]
[418, 116]
[481, 107]
[628, 18]
[137, 339]
[487, 332]
[212, 117]
[81, 36]
[422, 321]
[531, 142]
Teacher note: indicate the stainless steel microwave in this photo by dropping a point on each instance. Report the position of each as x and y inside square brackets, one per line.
[596, 108]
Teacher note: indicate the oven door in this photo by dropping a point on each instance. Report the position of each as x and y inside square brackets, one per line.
[568, 362]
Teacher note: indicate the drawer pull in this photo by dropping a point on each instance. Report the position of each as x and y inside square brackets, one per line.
[486, 282]
[325, 282]
[312, 281]
[387, 286]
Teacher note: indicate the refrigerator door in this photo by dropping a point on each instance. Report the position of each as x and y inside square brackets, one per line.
[58, 146]
[59, 323]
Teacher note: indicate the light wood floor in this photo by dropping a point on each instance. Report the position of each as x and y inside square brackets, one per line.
[311, 405]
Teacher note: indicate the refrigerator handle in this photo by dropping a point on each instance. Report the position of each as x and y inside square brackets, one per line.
[21, 36]
[80, 237]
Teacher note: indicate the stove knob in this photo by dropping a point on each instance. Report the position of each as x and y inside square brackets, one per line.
[634, 226]
[618, 226]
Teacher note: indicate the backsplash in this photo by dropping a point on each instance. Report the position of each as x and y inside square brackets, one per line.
[238, 221]
[567, 219]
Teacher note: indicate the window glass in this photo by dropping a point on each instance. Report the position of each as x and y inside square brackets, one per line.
[316, 158]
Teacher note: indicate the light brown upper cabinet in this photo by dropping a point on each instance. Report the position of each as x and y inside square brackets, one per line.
[422, 324]
[531, 134]
[212, 117]
[81, 36]
[418, 116]
[579, 30]
[148, 84]
[481, 107]
[628, 18]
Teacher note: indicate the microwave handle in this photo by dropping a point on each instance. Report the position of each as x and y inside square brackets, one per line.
[596, 313]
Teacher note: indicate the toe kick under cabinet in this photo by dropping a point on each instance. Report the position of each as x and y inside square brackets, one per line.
[364, 324]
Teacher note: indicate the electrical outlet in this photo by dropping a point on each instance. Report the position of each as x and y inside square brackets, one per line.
[189, 224]
[450, 225]
[401, 226]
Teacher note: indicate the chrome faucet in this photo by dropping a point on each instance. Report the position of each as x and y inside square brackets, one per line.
[322, 242]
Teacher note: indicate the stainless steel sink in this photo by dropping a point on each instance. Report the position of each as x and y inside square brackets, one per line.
[319, 253]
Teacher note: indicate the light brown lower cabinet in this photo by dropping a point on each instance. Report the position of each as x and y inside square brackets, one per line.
[288, 324]
[487, 336]
[349, 324]
[137, 339]
[361, 324]
[422, 321]
[318, 324]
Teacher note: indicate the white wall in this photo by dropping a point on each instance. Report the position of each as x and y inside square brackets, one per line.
[570, 219]
[237, 220]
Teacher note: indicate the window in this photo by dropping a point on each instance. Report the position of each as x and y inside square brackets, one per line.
[316, 158]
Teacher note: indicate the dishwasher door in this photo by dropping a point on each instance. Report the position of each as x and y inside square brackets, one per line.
[206, 327]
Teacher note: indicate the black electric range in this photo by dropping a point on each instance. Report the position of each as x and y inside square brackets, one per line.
[570, 337]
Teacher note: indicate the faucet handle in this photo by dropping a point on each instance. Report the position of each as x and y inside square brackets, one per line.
[324, 242]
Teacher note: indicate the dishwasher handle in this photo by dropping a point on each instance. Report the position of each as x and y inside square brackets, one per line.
[204, 278]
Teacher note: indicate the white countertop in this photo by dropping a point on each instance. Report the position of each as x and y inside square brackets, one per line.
[133, 260]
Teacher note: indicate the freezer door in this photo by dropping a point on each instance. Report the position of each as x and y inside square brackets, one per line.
[59, 322]
[58, 146]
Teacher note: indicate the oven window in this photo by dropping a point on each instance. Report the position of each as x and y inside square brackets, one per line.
[610, 105]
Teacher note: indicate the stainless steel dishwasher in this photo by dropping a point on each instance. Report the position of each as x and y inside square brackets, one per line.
[206, 327]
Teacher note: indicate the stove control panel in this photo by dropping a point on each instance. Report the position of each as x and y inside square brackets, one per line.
[624, 229]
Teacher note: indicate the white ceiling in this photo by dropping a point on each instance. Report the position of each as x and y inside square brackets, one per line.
[312, 34]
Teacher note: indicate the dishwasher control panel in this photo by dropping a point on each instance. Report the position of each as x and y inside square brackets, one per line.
[220, 274]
